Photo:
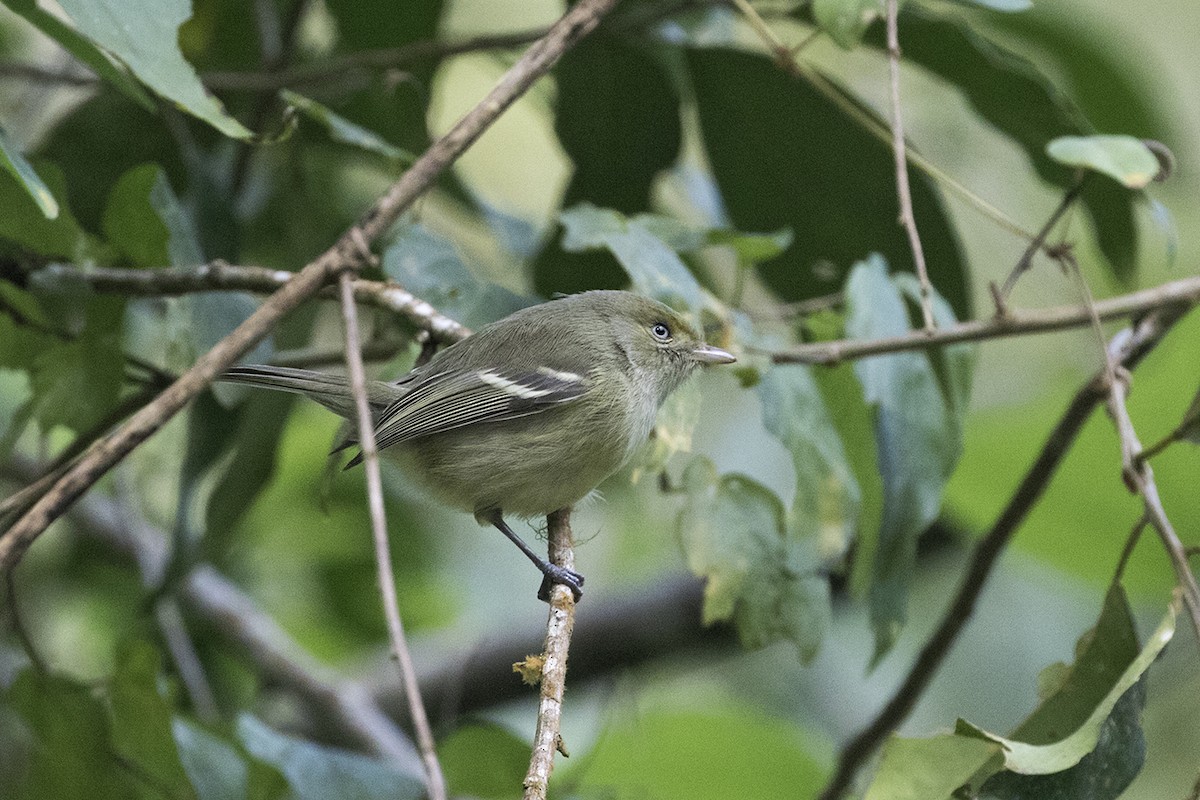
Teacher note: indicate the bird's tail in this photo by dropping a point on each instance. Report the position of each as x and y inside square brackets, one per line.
[331, 391]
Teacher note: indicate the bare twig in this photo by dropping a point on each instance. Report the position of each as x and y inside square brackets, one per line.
[1182, 293]
[1135, 535]
[1039, 241]
[547, 738]
[434, 780]
[899, 150]
[345, 254]
[187, 661]
[18, 624]
[1145, 336]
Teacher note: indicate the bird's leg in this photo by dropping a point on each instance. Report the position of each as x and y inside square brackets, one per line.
[552, 572]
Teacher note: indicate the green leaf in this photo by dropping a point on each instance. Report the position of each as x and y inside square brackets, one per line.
[759, 574]
[315, 772]
[84, 50]
[344, 131]
[752, 248]
[1068, 725]
[71, 758]
[483, 760]
[999, 5]
[218, 771]
[144, 220]
[927, 769]
[728, 752]
[144, 35]
[954, 364]
[16, 165]
[918, 439]
[429, 266]
[141, 720]
[23, 220]
[827, 494]
[827, 185]
[654, 268]
[846, 20]
[1123, 158]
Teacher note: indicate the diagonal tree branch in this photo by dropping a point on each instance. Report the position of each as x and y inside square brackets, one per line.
[346, 253]
[1146, 334]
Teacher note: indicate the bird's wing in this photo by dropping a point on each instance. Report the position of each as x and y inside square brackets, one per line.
[452, 400]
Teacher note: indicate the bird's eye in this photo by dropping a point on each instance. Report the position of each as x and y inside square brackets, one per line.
[661, 332]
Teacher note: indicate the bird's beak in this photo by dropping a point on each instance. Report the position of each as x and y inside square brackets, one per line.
[707, 354]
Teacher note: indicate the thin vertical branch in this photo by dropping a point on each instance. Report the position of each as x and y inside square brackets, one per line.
[547, 737]
[1039, 241]
[435, 781]
[899, 150]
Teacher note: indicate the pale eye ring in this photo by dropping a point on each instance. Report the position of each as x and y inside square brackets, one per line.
[661, 331]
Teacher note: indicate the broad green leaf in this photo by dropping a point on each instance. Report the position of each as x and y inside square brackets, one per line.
[80, 47]
[759, 574]
[846, 20]
[146, 223]
[317, 772]
[917, 438]
[1068, 725]
[429, 266]
[827, 494]
[343, 130]
[16, 165]
[826, 186]
[24, 222]
[954, 364]
[141, 720]
[752, 248]
[71, 758]
[144, 35]
[483, 760]
[732, 751]
[1123, 158]
[654, 268]
[617, 116]
[927, 769]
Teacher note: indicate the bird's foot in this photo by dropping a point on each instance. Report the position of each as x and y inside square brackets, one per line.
[563, 576]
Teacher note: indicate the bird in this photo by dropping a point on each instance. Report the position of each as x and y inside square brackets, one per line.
[529, 414]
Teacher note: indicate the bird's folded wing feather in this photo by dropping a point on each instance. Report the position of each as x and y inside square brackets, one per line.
[454, 400]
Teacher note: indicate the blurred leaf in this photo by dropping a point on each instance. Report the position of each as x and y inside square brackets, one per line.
[954, 364]
[673, 428]
[653, 267]
[1165, 222]
[77, 382]
[484, 760]
[995, 80]
[846, 20]
[1123, 158]
[144, 35]
[71, 758]
[16, 165]
[343, 130]
[927, 769]
[758, 573]
[727, 752]
[316, 772]
[752, 248]
[429, 266]
[145, 222]
[23, 328]
[617, 117]
[826, 183]
[218, 771]
[827, 495]
[918, 437]
[999, 5]
[1069, 724]
[79, 46]
[141, 720]
[23, 222]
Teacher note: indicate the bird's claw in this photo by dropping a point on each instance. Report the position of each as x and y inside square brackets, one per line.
[561, 575]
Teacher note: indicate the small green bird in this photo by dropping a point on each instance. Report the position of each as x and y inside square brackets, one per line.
[529, 414]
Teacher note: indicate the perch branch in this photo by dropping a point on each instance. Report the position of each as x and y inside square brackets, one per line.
[1182, 293]
[435, 781]
[1145, 336]
[547, 737]
[899, 151]
[345, 254]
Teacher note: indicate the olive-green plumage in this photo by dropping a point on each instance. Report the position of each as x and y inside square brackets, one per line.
[533, 411]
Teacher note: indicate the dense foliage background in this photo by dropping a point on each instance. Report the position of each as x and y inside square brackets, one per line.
[761, 578]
